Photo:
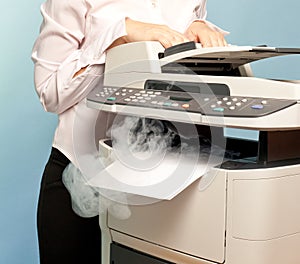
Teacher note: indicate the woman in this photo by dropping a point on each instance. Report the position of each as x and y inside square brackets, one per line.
[68, 55]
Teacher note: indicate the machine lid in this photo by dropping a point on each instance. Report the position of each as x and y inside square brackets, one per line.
[235, 55]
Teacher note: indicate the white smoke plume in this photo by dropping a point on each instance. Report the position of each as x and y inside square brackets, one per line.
[140, 143]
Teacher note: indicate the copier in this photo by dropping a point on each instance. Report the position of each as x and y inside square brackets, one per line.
[250, 212]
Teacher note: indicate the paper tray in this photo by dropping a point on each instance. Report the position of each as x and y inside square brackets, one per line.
[165, 179]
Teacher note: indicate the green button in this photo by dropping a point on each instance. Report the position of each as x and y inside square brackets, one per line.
[111, 99]
[218, 109]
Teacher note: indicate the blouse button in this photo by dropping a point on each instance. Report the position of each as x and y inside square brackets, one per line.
[154, 3]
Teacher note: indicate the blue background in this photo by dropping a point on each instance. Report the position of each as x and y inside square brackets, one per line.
[26, 130]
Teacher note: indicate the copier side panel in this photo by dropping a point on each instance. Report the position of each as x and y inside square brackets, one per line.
[263, 216]
[192, 223]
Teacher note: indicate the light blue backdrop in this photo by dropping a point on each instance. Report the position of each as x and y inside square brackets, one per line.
[26, 131]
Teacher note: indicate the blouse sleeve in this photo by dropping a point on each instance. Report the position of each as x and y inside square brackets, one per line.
[70, 39]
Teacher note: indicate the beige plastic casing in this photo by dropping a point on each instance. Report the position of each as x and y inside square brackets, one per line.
[244, 216]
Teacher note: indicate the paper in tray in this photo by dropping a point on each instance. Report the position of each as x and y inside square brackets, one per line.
[165, 180]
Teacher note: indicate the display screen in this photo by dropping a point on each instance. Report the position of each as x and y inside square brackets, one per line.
[180, 98]
[188, 87]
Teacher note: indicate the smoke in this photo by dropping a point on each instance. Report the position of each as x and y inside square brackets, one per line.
[145, 140]
[142, 144]
[88, 201]
[147, 135]
[85, 199]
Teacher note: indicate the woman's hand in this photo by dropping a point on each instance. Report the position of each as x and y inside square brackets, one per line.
[202, 33]
[198, 31]
[140, 31]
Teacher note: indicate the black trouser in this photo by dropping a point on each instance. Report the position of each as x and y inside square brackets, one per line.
[64, 237]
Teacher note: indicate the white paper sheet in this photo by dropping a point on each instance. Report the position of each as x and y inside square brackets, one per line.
[168, 178]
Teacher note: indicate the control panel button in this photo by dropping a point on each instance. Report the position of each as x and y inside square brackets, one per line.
[258, 106]
[218, 109]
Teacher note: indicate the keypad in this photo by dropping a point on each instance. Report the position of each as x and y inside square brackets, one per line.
[235, 106]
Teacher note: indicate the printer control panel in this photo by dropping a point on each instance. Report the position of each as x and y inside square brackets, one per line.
[205, 104]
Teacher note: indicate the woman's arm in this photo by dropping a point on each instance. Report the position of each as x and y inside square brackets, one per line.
[58, 56]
